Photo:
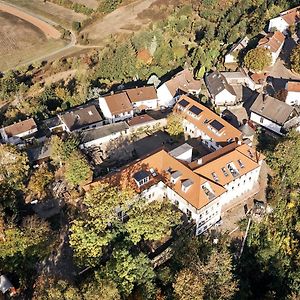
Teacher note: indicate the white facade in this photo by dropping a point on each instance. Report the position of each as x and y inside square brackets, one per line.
[293, 98]
[279, 23]
[113, 117]
[165, 98]
[230, 58]
[266, 123]
[150, 104]
[225, 98]
[276, 54]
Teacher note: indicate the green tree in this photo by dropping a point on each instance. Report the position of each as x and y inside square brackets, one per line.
[258, 59]
[13, 165]
[128, 271]
[100, 224]
[142, 225]
[174, 125]
[188, 285]
[295, 59]
[8, 200]
[78, 170]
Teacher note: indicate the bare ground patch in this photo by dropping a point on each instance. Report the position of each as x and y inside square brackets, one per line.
[88, 3]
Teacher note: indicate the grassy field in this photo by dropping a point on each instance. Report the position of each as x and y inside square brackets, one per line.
[51, 11]
[20, 41]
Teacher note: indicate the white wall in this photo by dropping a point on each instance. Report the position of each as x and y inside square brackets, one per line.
[16, 138]
[121, 116]
[229, 58]
[104, 108]
[293, 98]
[265, 123]
[225, 98]
[151, 104]
[164, 96]
[278, 23]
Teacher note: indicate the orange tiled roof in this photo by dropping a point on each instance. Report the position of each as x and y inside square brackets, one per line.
[272, 41]
[291, 16]
[141, 94]
[118, 103]
[206, 117]
[293, 86]
[163, 164]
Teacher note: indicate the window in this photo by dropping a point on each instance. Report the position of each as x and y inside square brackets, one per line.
[188, 213]
[224, 172]
[215, 177]
[261, 120]
[232, 188]
[241, 164]
[250, 153]
[176, 202]
[143, 181]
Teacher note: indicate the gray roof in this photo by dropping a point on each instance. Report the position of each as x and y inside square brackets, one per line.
[272, 109]
[216, 83]
[247, 130]
[5, 284]
[39, 152]
[97, 133]
[80, 117]
[180, 150]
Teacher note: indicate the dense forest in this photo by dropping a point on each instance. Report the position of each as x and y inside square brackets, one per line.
[86, 251]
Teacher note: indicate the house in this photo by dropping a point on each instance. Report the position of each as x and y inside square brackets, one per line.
[199, 188]
[239, 78]
[274, 114]
[143, 98]
[273, 42]
[116, 107]
[39, 154]
[182, 83]
[81, 118]
[285, 20]
[220, 91]
[199, 121]
[98, 136]
[17, 132]
[232, 55]
[293, 93]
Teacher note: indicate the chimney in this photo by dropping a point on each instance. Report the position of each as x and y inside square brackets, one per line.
[200, 161]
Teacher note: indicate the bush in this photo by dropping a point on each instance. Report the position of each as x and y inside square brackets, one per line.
[295, 59]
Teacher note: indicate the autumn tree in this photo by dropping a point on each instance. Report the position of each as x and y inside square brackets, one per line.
[8, 200]
[13, 165]
[258, 59]
[295, 59]
[142, 225]
[174, 125]
[38, 182]
[188, 285]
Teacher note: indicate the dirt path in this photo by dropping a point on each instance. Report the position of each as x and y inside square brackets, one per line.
[46, 28]
[119, 21]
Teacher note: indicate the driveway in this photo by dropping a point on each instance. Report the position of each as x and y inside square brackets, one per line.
[280, 73]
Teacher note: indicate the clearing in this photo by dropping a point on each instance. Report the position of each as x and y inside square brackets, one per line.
[93, 4]
[21, 40]
[57, 13]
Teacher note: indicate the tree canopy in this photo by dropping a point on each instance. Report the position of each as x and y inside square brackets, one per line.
[295, 59]
[258, 59]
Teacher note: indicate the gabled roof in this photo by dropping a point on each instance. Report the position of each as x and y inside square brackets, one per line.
[80, 117]
[20, 127]
[184, 81]
[272, 109]
[137, 120]
[118, 103]
[206, 120]
[272, 41]
[216, 83]
[161, 166]
[291, 16]
[142, 94]
[239, 45]
[293, 86]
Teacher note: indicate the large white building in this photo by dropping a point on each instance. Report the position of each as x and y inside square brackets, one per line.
[199, 188]
[199, 121]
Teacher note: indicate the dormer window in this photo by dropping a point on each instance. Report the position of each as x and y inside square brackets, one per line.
[153, 173]
[233, 170]
[175, 176]
[241, 164]
[215, 177]
[141, 178]
[208, 191]
[186, 184]
[224, 172]
[250, 153]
